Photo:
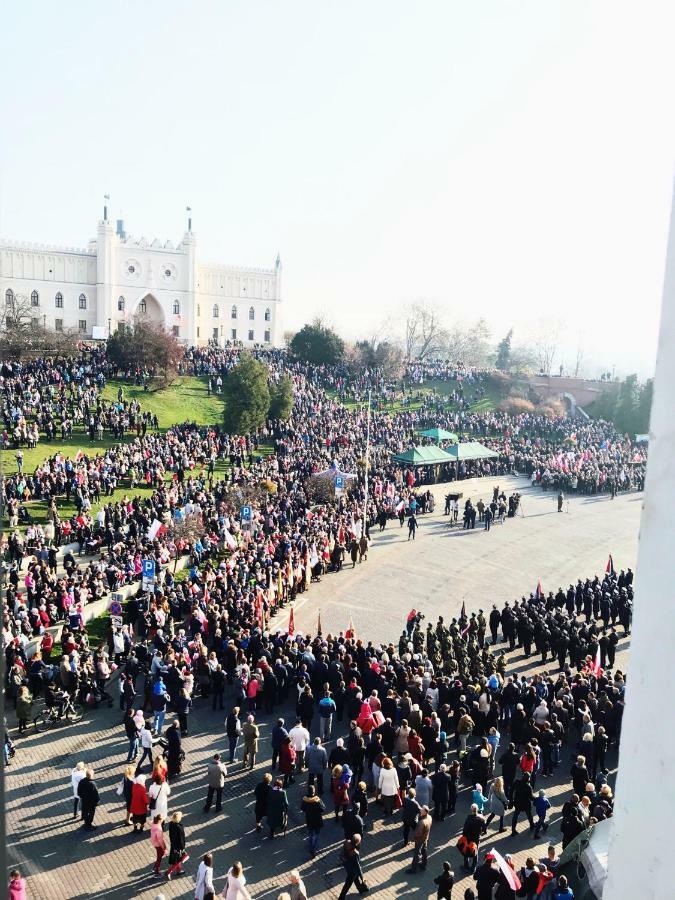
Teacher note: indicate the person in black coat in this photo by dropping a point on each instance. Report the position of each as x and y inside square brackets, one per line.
[218, 687]
[580, 776]
[486, 878]
[89, 798]
[352, 823]
[445, 881]
[262, 790]
[173, 748]
[177, 842]
[522, 801]
[509, 762]
[440, 792]
[409, 814]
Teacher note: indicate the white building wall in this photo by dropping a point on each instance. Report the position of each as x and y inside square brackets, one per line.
[117, 274]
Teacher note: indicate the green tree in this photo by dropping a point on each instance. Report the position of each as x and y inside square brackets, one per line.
[247, 396]
[316, 343]
[625, 416]
[644, 407]
[281, 398]
[504, 352]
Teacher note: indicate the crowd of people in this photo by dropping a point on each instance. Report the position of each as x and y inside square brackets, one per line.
[210, 635]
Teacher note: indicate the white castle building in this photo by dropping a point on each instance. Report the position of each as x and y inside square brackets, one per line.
[120, 277]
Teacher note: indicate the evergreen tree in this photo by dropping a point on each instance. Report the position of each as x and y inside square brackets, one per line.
[504, 352]
[247, 396]
[281, 398]
[318, 344]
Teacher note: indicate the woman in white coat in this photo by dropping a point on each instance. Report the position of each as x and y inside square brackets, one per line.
[204, 882]
[236, 881]
[76, 777]
[388, 785]
[159, 791]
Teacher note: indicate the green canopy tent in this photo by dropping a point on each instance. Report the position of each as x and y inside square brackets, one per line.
[468, 451]
[422, 456]
[439, 434]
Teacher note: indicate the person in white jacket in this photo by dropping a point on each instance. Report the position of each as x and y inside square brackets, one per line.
[236, 884]
[388, 785]
[204, 882]
[159, 791]
[76, 777]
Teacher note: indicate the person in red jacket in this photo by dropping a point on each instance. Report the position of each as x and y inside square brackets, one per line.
[139, 803]
[287, 760]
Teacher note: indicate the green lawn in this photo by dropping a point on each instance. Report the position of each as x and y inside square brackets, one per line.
[186, 400]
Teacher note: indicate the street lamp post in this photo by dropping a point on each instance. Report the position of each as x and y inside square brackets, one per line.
[365, 502]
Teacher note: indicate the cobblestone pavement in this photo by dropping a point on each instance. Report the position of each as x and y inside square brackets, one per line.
[62, 861]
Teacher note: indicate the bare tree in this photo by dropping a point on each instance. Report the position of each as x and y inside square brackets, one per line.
[578, 360]
[425, 331]
[23, 331]
[546, 344]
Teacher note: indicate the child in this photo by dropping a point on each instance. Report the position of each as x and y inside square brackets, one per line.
[478, 798]
[542, 805]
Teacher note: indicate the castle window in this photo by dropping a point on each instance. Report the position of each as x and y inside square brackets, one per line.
[9, 297]
[216, 311]
[268, 315]
[143, 306]
[58, 300]
[83, 302]
[82, 325]
[251, 313]
[120, 304]
[268, 337]
[176, 308]
[234, 312]
[250, 335]
[34, 299]
[234, 334]
[58, 324]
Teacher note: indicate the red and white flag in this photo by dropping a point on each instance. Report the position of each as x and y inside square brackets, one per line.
[351, 631]
[156, 530]
[291, 624]
[609, 568]
[506, 870]
[229, 540]
[539, 593]
[595, 665]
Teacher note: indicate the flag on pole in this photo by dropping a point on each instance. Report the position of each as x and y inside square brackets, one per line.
[318, 623]
[291, 624]
[506, 870]
[351, 631]
[463, 612]
[280, 587]
[609, 568]
[539, 593]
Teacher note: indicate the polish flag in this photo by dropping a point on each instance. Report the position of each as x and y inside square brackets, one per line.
[539, 593]
[595, 666]
[156, 530]
[79, 455]
[291, 624]
[506, 870]
[229, 540]
[609, 568]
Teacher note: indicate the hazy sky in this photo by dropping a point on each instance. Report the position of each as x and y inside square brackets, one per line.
[506, 159]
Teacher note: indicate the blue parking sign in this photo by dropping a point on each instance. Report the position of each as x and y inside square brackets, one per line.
[246, 514]
[148, 568]
[339, 483]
